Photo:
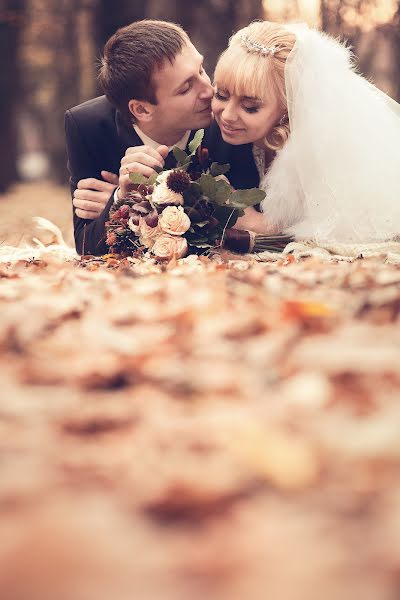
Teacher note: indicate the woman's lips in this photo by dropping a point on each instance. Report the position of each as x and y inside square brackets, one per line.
[228, 129]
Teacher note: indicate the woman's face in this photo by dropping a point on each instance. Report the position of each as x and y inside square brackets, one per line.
[243, 119]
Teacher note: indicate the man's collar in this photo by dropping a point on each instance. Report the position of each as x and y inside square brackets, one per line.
[182, 143]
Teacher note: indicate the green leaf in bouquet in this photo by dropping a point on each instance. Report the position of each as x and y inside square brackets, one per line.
[223, 192]
[226, 215]
[192, 193]
[184, 166]
[196, 141]
[152, 179]
[208, 186]
[138, 178]
[193, 214]
[246, 198]
[120, 232]
[179, 154]
[201, 245]
[202, 224]
[217, 169]
[198, 229]
[199, 241]
[214, 234]
[231, 203]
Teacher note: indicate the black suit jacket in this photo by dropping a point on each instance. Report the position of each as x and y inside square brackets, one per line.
[97, 139]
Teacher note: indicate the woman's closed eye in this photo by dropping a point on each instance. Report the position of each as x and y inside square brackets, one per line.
[219, 96]
[251, 109]
[224, 97]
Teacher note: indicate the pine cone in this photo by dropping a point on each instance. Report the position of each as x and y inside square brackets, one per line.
[178, 181]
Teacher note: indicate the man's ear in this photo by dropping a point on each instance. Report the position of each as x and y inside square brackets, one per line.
[141, 110]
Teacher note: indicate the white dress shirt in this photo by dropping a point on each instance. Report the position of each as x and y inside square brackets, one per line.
[182, 143]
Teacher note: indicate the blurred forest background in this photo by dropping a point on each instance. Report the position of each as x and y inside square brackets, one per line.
[49, 50]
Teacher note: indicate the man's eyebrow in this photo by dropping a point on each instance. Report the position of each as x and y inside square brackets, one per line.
[189, 78]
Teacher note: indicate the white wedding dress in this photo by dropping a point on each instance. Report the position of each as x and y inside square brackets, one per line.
[337, 179]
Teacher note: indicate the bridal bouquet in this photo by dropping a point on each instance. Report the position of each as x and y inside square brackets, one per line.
[186, 210]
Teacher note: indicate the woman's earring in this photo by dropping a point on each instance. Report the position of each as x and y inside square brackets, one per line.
[283, 119]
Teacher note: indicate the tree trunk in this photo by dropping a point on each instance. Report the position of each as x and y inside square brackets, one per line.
[209, 23]
[11, 17]
[112, 15]
[59, 63]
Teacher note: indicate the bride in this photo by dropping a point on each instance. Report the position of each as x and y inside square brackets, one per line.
[325, 141]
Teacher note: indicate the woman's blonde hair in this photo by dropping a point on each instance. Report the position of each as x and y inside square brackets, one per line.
[244, 70]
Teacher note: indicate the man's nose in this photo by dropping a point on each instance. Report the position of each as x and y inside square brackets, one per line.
[207, 91]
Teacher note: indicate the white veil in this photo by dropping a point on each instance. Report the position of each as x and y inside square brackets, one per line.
[337, 179]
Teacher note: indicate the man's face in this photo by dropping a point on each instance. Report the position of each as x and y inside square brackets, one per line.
[184, 93]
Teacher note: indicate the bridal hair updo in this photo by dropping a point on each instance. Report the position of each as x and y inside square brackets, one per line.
[246, 69]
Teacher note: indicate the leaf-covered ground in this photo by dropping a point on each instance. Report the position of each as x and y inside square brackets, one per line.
[224, 429]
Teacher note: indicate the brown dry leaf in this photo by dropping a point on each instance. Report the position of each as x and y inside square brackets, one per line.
[231, 424]
[286, 461]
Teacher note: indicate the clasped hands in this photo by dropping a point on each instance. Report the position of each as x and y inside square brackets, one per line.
[92, 195]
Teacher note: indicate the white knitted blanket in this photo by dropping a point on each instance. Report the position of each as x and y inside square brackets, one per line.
[389, 252]
[59, 249]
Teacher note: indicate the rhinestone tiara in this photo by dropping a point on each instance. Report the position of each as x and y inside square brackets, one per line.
[254, 46]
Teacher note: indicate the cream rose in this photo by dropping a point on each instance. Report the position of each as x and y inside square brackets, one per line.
[163, 196]
[169, 246]
[148, 235]
[174, 220]
[163, 176]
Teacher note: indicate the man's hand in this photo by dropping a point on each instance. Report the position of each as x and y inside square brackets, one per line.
[139, 159]
[92, 195]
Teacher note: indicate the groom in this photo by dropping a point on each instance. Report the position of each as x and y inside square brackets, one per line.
[157, 95]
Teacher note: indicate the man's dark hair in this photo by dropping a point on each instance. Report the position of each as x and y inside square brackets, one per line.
[130, 57]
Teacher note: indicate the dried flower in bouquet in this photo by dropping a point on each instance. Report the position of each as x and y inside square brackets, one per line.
[186, 210]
